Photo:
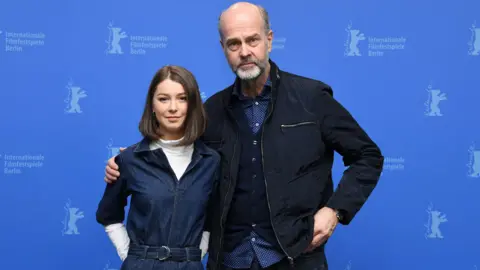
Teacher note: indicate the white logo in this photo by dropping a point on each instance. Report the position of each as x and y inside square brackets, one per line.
[21, 41]
[18, 164]
[115, 35]
[278, 43]
[353, 38]
[394, 164]
[435, 218]
[377, 46]
[107, 267]
[112, 150]
[434, 98]
[473, 162]
[75, 93]
[474, 44]
[138, 44]
[72, 215]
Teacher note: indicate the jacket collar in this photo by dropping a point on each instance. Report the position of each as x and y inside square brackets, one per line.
[274, 80]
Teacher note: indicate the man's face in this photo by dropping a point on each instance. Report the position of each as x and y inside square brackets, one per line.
[245, 43]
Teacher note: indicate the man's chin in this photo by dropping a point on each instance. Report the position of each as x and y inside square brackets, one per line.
[249, 75]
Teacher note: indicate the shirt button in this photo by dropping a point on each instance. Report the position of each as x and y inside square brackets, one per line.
[254, 142]
[253, 239]
[253, 176]
[256, 103]
[254, 159]
[257, 124]
[253, 225]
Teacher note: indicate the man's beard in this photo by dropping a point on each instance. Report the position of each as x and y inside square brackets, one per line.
[251, 73]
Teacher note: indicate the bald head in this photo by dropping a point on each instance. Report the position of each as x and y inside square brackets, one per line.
[246, 40]
[242, 12]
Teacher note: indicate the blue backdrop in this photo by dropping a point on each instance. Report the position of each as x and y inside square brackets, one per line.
[74, 75]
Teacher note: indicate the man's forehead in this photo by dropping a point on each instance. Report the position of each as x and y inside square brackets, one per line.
[242, 23]
[241, 32]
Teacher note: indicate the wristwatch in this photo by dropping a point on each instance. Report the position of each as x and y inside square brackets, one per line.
[339, 215]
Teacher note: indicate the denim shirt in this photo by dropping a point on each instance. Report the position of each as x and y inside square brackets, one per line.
[164, 211]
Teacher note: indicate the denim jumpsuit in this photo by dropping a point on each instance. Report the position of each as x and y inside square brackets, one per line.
[167, 217]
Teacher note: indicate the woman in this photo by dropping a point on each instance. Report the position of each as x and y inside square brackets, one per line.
[169, 175]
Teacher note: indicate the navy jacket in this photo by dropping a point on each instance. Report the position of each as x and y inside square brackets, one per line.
[303, 127]
[163, 211]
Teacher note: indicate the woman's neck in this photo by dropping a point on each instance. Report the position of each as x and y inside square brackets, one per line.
[171, 146]
[171, 137]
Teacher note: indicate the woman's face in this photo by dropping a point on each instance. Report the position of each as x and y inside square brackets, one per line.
[170, 105]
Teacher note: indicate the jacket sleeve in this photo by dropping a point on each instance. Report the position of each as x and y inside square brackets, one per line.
[111, 209]
[342, 133]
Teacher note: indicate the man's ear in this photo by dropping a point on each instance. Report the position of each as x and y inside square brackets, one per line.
[270, 40]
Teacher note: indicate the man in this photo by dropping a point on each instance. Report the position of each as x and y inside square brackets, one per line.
[277, 133]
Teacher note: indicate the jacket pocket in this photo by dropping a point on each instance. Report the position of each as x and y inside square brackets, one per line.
[299, 124]
[308, 168]
[310, 174]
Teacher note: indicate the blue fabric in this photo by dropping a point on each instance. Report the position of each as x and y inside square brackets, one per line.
[255, 108]
[163, 211]
[252, 245]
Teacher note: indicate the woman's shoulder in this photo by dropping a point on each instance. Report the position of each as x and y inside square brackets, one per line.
[129, 153]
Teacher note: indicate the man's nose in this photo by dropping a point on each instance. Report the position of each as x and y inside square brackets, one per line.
[244, 50]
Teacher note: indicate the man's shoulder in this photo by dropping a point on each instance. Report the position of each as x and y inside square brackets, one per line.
[215, 112]
[308, 86]
[216, 100]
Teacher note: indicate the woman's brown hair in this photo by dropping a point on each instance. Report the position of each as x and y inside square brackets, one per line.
[195, 120]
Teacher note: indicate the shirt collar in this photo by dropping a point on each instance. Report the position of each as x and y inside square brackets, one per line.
[264, 94]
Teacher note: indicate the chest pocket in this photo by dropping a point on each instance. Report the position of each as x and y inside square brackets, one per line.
[296, 125]
[304, 130]
[302, 139]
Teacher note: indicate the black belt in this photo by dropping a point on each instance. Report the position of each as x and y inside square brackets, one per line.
[165, 253]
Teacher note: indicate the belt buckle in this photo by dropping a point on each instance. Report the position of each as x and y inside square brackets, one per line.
[168, 254]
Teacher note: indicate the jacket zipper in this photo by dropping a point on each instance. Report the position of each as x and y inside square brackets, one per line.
[174, 204]
[177, 182]
[290, 259]
[297, 124]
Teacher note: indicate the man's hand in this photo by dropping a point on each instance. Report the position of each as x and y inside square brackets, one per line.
[324, 225]
[111, 170]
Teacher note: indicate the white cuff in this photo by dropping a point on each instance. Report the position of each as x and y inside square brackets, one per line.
[119, 237]
[204, 242]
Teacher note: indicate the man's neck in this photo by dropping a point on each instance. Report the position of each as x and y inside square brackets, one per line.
[253, 88]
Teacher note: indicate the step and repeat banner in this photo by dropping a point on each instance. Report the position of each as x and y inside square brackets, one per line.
[74, 76]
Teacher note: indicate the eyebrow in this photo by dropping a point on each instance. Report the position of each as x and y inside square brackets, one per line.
[248, 37]
[163, 94]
